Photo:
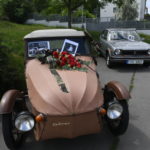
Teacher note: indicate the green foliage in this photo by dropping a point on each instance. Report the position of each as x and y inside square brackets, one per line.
[40, 5]
[146, 37]
[11, 70]
[86, 13]
[128, 11]
[16, 10]
[95, 35]
[12, 54]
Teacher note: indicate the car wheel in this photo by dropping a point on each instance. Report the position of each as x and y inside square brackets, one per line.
[108, 61]
[12, 136]
[120, 125]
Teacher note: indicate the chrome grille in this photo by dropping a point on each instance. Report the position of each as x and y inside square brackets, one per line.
[134, 52]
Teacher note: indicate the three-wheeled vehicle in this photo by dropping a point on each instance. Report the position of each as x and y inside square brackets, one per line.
[64, 97]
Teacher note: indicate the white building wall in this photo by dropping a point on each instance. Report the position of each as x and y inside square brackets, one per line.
[108, 10]
[141, 9]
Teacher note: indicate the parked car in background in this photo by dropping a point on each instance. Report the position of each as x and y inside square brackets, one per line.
[124, 46]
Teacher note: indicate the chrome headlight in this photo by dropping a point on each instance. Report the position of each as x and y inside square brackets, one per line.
[148, 52]
[114, 111]
[24, 122]
[117, 52]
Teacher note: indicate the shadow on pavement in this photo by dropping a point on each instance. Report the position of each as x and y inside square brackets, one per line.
[103, 141]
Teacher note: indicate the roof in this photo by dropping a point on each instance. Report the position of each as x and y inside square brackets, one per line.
[116, 29]
[54, 33]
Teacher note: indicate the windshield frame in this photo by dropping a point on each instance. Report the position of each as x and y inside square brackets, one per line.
[57, 38]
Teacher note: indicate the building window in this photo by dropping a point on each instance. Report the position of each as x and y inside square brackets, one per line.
[114, 9]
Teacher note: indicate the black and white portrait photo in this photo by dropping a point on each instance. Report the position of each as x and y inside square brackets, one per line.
[70, 46]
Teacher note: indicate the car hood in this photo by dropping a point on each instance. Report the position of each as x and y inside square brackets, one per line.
[130, 45]
[84, 93]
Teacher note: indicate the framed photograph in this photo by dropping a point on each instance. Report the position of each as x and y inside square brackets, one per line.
[70, 46]
[37, 47]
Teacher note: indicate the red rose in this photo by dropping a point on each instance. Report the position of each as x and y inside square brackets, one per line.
[62, 63]
[72, 64]
[55, 54]
[58, 62]
[79, 65]
[64, 53]
[64, 59]
[70, 56]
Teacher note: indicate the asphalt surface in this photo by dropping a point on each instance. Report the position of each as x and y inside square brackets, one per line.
[137, 136]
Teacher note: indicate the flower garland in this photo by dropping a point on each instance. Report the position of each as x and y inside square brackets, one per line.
[63, 60]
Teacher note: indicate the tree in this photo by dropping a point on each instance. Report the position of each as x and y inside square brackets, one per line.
[74, 4]
[16, 10]
[40, 5]
[128, 11]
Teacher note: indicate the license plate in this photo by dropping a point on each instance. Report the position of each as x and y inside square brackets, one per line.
[134, 61]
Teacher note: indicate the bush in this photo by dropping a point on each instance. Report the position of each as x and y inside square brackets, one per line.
[10, 71]
[17, 10]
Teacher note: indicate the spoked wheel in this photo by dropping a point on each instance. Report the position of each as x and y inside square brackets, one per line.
[108, 61]
[119, 126]
[12, 136]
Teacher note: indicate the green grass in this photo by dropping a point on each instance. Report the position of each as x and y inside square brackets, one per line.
[146, 38]
[12, 44]
[13, 34]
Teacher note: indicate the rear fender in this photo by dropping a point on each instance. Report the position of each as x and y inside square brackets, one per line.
[8, 101]
[119, 90]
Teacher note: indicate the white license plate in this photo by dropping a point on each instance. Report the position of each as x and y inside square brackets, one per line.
[135, 62]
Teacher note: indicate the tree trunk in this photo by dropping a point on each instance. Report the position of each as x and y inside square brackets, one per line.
[69, 14]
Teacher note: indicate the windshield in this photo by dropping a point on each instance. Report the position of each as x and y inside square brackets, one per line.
[75, 46]
[124, 35]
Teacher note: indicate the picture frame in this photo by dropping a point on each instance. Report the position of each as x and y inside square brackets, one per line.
[37, 47]
[70, 46]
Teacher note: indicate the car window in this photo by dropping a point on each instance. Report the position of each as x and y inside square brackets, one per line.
[128, 35]
[79, 45]
[105, 34]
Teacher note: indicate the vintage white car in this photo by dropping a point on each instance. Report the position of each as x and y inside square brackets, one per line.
[124, 46]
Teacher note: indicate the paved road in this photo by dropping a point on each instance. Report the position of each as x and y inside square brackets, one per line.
[138, 135]
[144, 31]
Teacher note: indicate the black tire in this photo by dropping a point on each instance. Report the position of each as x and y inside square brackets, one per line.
[12, 137]
[108, 61]
[119, 126]
[146, 64]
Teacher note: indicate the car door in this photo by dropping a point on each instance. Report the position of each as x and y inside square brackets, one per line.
[104, 42]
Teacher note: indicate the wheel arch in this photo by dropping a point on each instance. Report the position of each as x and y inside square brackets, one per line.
[119, 89]
[8, 100]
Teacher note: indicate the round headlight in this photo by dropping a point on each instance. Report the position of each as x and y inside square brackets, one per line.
[117, 52]
[114, 111]
[24, 122]
[148, 52]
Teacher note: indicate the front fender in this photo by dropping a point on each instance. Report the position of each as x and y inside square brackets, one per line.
[119, 89]
[8, 101]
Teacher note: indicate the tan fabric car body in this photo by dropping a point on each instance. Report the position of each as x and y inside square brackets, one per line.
[46, 96]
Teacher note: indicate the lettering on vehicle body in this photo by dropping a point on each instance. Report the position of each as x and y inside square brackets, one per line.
[55, 124]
